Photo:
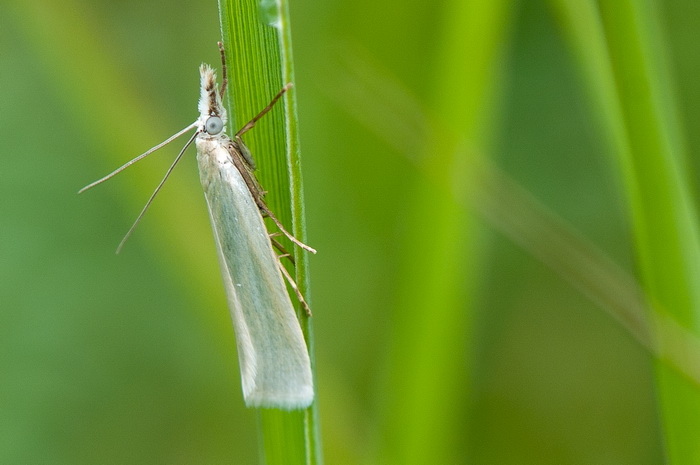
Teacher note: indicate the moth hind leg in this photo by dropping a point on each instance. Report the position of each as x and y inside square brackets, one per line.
[283, 252]
[267, 213]
[294, 286]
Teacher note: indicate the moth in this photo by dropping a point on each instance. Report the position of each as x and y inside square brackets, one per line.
[273, 357]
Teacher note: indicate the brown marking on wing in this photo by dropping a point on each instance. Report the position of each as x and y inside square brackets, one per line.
[248, 176]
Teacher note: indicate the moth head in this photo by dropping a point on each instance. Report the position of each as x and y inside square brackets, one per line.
[210, 105]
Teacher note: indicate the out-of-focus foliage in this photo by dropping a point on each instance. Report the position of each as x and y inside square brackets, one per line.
[131, 358]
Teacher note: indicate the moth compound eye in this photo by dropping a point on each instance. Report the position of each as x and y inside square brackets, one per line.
[214, 125]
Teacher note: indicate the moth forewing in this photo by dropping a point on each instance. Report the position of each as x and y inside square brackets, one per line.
[275, 366]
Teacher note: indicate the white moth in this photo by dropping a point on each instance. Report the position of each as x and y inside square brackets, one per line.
[274, 361]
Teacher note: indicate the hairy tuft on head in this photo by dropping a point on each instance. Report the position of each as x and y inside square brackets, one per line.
[209, 99]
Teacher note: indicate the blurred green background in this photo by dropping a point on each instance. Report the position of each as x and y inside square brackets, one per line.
[131, 358]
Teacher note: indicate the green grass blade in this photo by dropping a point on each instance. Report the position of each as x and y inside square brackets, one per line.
[433, 318]
[258, 40]
[622, 51]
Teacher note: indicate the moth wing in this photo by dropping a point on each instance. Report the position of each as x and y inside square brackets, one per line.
[274, 361]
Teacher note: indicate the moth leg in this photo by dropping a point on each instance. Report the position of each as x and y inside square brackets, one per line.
[266, 212]
[292, 283]
[281, 248]
[249, 125]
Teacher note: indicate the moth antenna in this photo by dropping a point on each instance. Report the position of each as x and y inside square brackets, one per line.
[250, 124]
[153, 196]
[224, 74]
[140, 157]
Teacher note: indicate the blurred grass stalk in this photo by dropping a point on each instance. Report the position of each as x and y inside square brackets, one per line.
[430, 359]
[80, 76]
[257, 37]
[622, 52]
